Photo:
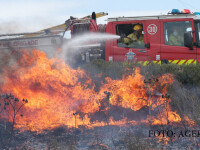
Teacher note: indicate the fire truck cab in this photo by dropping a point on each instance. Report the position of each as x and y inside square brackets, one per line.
[173, 38]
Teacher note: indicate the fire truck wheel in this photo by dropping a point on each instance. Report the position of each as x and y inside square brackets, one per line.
[164, 61]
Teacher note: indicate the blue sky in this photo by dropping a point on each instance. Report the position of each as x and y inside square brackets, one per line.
[33, 15]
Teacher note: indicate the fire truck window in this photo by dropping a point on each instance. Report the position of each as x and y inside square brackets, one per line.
[166, 36]
[174, 32]
[131, 35]
[199, 31]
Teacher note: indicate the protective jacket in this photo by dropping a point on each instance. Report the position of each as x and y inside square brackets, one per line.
[133, 40]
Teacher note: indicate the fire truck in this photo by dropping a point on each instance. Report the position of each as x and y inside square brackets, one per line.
[157, 46]
[157, 31]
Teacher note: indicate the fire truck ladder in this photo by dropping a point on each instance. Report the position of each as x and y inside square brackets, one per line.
[62, 28]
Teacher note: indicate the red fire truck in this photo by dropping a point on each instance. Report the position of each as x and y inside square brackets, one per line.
[157, 45]
[157, 31]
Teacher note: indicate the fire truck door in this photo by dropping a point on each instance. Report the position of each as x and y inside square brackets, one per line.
[131, 46]
[152, 45]
[172, 41]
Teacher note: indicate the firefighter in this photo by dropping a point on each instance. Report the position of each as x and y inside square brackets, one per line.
[175, 38]
[135, 39]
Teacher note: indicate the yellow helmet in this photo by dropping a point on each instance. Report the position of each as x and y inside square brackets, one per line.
[137, 27]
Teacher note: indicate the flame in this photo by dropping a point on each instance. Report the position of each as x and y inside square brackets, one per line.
[52, 88]
[127, 92]
[59, 95]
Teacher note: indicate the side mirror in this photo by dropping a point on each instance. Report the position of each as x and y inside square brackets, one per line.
[188, 40]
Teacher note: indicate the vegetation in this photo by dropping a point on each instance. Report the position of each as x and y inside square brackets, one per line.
[10, 106]
[188, 75]
[185, 91]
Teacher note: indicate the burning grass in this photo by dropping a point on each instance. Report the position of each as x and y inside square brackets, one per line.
[61, 96]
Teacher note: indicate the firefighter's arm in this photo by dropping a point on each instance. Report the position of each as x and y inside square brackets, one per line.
[126, 40]
[130, 38]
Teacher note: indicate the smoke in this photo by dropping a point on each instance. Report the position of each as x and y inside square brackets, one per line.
[8, 57]
[22, 26]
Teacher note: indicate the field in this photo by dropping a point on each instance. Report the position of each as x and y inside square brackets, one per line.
[45, 104]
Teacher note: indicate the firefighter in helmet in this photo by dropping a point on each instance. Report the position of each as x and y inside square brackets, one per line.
[135, 39]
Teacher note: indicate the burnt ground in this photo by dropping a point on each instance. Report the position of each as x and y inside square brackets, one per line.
[127, 137]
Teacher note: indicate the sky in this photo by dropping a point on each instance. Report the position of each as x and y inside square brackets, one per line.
[33, 15]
